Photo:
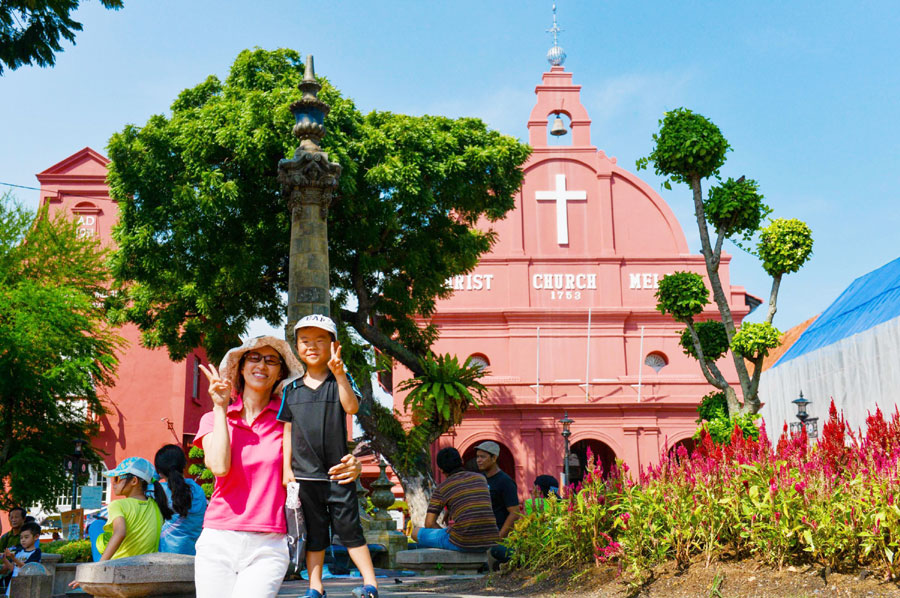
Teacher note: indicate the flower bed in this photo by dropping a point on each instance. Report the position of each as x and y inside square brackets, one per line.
[830, 504]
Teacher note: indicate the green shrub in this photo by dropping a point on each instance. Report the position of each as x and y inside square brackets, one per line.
[714, 419]
[74, 551]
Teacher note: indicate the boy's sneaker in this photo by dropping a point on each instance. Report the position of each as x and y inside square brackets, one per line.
[311, 593]
[365, 591]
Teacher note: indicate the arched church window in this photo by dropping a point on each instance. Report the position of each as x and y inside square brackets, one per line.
[478, 360]
[656, 360]
[559, 129]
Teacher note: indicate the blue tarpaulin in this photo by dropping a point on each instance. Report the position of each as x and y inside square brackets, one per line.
[871, 299]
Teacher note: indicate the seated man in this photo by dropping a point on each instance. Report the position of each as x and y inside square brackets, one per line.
[466, 496]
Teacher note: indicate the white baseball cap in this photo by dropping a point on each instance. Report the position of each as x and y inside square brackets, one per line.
[490, 447]
[317, 321]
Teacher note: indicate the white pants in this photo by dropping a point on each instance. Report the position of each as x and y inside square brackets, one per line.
[232, 564]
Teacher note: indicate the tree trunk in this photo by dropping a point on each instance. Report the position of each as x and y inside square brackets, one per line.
[382, 429]
[417, 488]
[712, 270]
[734, 406]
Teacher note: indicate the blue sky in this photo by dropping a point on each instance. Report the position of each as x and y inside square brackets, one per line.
[806, 92]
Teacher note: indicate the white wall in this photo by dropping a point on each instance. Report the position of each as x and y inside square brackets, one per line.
[859, 372]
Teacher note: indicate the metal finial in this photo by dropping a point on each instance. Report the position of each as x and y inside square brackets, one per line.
[556, 55]
[555, 29]
[309, 73]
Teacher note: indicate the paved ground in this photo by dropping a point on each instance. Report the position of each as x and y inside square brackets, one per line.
[408, 587]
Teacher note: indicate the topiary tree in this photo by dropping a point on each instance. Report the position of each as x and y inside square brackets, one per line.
[200, 472]
[688, 149]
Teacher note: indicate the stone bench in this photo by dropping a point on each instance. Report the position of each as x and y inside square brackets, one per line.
[159, 574]
[436, 561]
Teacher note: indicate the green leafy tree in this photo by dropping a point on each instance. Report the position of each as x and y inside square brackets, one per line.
[56, 350]
[688, 149]
[31, 30]
[203, 231]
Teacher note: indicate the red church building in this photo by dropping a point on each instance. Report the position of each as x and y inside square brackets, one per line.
[562, 311]
[155, 401]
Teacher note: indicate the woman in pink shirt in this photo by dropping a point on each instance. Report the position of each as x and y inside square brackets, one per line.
[242, 550]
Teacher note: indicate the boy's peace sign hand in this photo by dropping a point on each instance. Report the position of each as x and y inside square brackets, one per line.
[336, 364]
[219, 388]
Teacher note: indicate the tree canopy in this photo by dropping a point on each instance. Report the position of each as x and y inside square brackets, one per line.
[31, 30]
[203, 231]
[56, 350]
[687, 149]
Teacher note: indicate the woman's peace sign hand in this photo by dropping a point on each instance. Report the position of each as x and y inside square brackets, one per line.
[219, 388]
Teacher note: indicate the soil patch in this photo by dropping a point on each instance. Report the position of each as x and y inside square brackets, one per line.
[736, 579]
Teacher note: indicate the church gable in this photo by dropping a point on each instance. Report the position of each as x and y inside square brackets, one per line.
[86, 163]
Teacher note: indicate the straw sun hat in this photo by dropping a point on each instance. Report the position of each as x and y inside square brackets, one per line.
[228, 369]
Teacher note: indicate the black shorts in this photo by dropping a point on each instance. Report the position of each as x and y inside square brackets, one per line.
[330, 504]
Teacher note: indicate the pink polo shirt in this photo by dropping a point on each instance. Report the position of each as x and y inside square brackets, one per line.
[251, 497]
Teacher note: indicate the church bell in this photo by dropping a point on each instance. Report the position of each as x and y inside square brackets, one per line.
[559, 128]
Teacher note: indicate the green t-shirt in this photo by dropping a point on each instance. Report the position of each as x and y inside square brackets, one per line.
[537, 505]
[143, 524]
[9, 540]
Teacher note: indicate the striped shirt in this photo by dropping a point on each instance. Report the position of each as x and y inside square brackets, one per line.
[466, 496]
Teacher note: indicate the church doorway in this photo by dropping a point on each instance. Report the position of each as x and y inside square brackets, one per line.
[689, 444]
[604, 457]
[505, 461]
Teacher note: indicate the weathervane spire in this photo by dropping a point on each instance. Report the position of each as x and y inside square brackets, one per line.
[556, 56]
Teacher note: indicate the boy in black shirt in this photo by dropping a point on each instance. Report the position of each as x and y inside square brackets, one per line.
[313, 410]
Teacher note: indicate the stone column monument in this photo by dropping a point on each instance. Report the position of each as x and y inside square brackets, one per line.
[308, 181]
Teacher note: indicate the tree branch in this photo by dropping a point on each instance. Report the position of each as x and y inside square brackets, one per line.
[360, 322]
[368, 416]
[709, 369]
[705, 246]
[754, 383]
[716, 283]
[717, 252]
[773, 298]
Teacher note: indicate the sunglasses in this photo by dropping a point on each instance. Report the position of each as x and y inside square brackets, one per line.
[254, 357]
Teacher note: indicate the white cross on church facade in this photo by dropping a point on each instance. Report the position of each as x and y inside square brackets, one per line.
[561, 197]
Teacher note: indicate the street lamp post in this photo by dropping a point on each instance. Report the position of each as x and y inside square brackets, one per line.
[566, 423]
[308, 181]
[74, 464]
[810, 423]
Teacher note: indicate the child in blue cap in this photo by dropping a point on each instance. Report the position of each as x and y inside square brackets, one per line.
[135, 521]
